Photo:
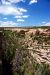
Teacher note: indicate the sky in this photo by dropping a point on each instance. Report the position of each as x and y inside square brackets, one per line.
[24, 13]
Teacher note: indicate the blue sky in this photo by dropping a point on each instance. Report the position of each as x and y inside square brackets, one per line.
[24, 13]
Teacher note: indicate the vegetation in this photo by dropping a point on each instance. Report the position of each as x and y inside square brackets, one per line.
[10, 45]
[16, 52]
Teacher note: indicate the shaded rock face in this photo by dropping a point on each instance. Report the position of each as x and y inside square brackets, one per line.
[17, 60]
[37, 51]
[0, 67]
[1, 36]
[6, 67]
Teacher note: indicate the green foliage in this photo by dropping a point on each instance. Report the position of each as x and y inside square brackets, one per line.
[20, 34]
[41, 69]
[7, 33]
[15, 40]
[10, 45]
[15, 73]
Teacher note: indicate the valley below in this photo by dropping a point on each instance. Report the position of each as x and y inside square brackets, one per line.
[26, 51]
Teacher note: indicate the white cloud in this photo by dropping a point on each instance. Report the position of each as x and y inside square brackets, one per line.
[5, 2]
[43, 22]
[18, 16]
[7, 9]
[15, 1]
[5, 18]
[8, 24]
[20, 20]
[25, 16]
[22, 16]
[46, 24]
[32, 1]
[22, 10]
[11, 1]
[10, 10]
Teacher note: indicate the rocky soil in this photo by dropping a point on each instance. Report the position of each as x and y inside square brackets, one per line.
[39, 48]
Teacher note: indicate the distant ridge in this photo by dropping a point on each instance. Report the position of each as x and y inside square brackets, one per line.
[43, 27]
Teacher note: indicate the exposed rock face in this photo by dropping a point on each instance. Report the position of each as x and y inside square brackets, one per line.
[31, 46]
[40, 52]
[37, 46]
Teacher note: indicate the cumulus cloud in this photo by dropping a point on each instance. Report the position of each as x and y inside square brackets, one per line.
[8, 24]
[21, 16]
[5, 18]
[18, 16]
[20, 20]
[46, 24]
[22, 10]
[25, 16]
[10, 10]
[32, 1]
[43, 22]
[15, 1]
[11, 1]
